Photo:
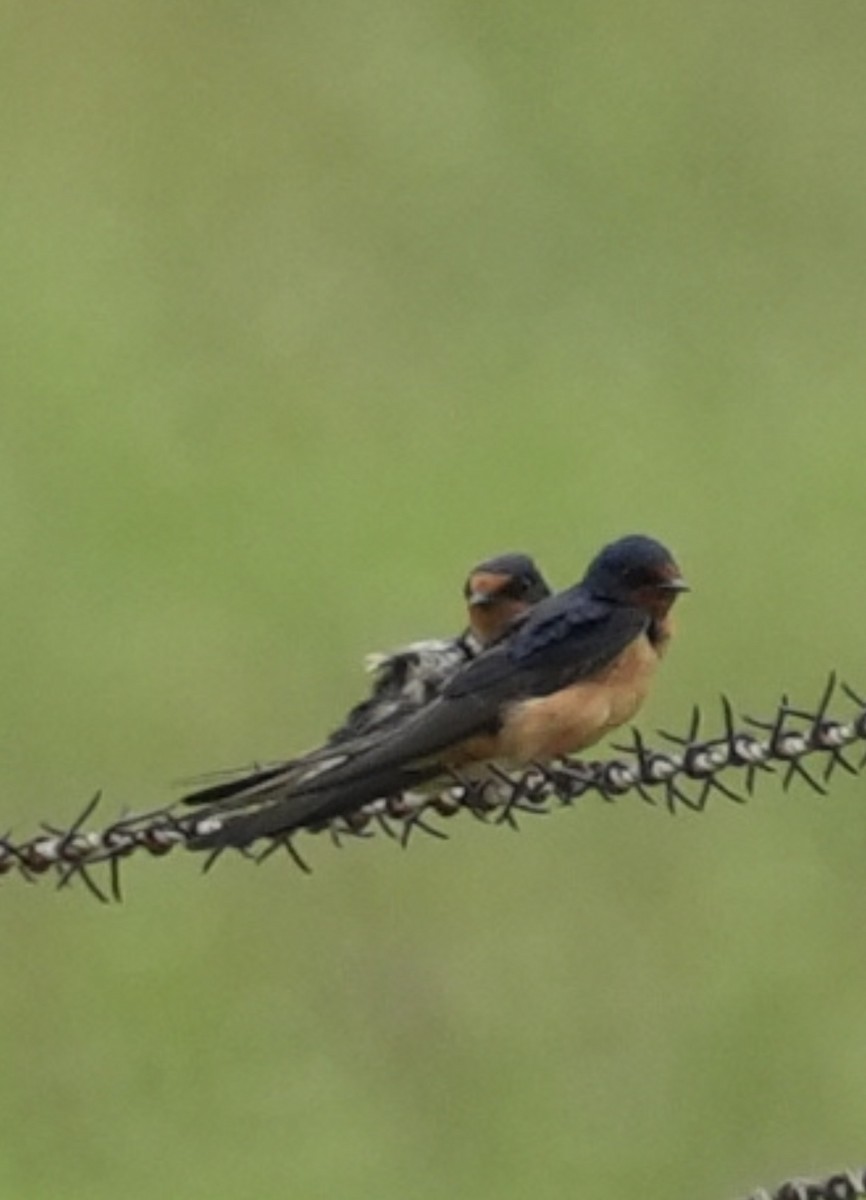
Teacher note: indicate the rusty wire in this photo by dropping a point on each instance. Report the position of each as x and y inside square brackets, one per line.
[683, 777]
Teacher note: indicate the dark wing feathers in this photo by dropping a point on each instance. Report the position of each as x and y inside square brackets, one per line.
[573, 611]
[405, 681]
[567, 638]
[237, 784]
[275, 811]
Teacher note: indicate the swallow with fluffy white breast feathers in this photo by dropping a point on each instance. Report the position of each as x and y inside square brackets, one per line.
[497, 591]
[578, 665]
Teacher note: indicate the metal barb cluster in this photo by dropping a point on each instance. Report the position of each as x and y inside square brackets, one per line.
[683, 777]
[846, 1185]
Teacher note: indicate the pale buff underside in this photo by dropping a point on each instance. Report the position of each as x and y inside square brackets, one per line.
[547, 727]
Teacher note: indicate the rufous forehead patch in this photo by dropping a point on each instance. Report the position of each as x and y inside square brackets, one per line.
[486, 582]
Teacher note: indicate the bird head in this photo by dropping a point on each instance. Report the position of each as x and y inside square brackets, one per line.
[636, 570]
[500, 589]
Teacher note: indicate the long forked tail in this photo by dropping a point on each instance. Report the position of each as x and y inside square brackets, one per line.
[238, 784]
[275, 806]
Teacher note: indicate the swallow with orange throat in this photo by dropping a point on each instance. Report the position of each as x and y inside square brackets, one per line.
[576, 666]
[497, 592]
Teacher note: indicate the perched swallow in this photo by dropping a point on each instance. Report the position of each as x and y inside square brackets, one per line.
[497, 591]
[579, 664]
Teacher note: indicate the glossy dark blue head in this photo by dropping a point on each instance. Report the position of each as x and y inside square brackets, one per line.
[507, 577]
[635, 570]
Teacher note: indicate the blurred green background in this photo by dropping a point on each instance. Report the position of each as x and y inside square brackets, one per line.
[305, 308]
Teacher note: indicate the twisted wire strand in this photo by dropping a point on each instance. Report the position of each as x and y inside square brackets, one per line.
[845, 1185]
[683, 777]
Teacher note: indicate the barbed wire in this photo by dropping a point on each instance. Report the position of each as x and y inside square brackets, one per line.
[846, 1185]
[681, 778]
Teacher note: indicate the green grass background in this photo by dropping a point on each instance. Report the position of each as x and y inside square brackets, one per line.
[304, 309]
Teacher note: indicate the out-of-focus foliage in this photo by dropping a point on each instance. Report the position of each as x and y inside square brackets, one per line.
[304, 308]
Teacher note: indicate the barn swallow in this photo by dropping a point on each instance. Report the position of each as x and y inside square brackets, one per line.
[579, 664]
[497, 591]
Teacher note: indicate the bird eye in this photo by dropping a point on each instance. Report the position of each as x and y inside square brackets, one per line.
[639, 577]
[513, 589]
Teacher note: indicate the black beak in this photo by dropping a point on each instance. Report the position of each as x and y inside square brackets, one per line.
[481, 599]
[677, 584]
